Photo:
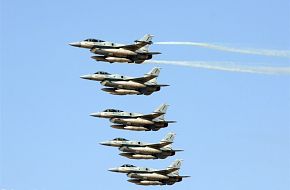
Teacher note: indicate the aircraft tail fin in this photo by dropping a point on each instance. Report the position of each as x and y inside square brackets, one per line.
[142, 45]
[169, 138]
[175, 165]
[147, 39]
[155, 72]
[162, 108]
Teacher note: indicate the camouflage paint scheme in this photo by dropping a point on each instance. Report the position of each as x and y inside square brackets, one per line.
[150, 176]
[143, 150]
[125, 85]
[115, 52]
[136, 121]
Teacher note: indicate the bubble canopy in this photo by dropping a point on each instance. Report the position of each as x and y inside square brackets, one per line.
[93, 40]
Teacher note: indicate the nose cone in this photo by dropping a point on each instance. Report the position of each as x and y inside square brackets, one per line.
[113, 170]
[75, 44]
[106, 143]
[96, 114]
[88, 77]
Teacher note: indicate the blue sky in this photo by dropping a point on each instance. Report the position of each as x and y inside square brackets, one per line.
[234, 127]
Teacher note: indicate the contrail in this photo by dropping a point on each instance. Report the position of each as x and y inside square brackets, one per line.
[226, 66]
[264, 52]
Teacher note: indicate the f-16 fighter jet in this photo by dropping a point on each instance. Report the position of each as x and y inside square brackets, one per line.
[142, 150]
[114, 52]
[125, 85]
[136, 121]
[150, 176]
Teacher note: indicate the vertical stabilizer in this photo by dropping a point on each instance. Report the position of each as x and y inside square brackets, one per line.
[175, 165]
[155, 72]
[169, 138]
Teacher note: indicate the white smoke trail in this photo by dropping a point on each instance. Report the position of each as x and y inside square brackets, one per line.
[264, 52]
[226, 66]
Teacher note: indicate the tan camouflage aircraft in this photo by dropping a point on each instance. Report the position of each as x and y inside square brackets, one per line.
[136, 121]
[150, 176]
[125, 85]
[115, 52]
[143, 150]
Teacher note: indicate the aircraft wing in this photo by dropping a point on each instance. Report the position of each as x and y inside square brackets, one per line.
[142, 79]
[151, 115]
[134, 47]
[159, 145]
[166, 171]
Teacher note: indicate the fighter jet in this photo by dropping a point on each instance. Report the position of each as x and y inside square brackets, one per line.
[150, 176]
[125, 85]
[115, 52]
[136, 121]
[170, 179]
[142, 150]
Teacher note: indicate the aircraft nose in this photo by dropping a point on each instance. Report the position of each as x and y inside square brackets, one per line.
[89, 77]
[113, 170]
[106, 143]
[75, 44]
[96, 114]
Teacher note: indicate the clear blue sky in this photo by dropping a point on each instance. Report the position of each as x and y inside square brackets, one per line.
[234, 127]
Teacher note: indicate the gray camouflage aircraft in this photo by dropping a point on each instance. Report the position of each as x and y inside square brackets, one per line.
[125, 85]
[115, 52]
[150, 176]
[142, 150]
[136, 121]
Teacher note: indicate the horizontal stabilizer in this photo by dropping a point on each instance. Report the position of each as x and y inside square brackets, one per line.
[170, 121]
[149, 42]
[151, 53]
[178, 150]
[163, 85]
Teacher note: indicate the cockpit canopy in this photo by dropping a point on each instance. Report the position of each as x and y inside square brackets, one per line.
[102, 73]
[128, 165]
[93, 40]
[120, 139]
[112, 110]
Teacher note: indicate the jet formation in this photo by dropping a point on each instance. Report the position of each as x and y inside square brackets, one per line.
[125, 85]
[136, 121]
[118, 84]
[143, 150]
[115, 52]
[151, 176]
